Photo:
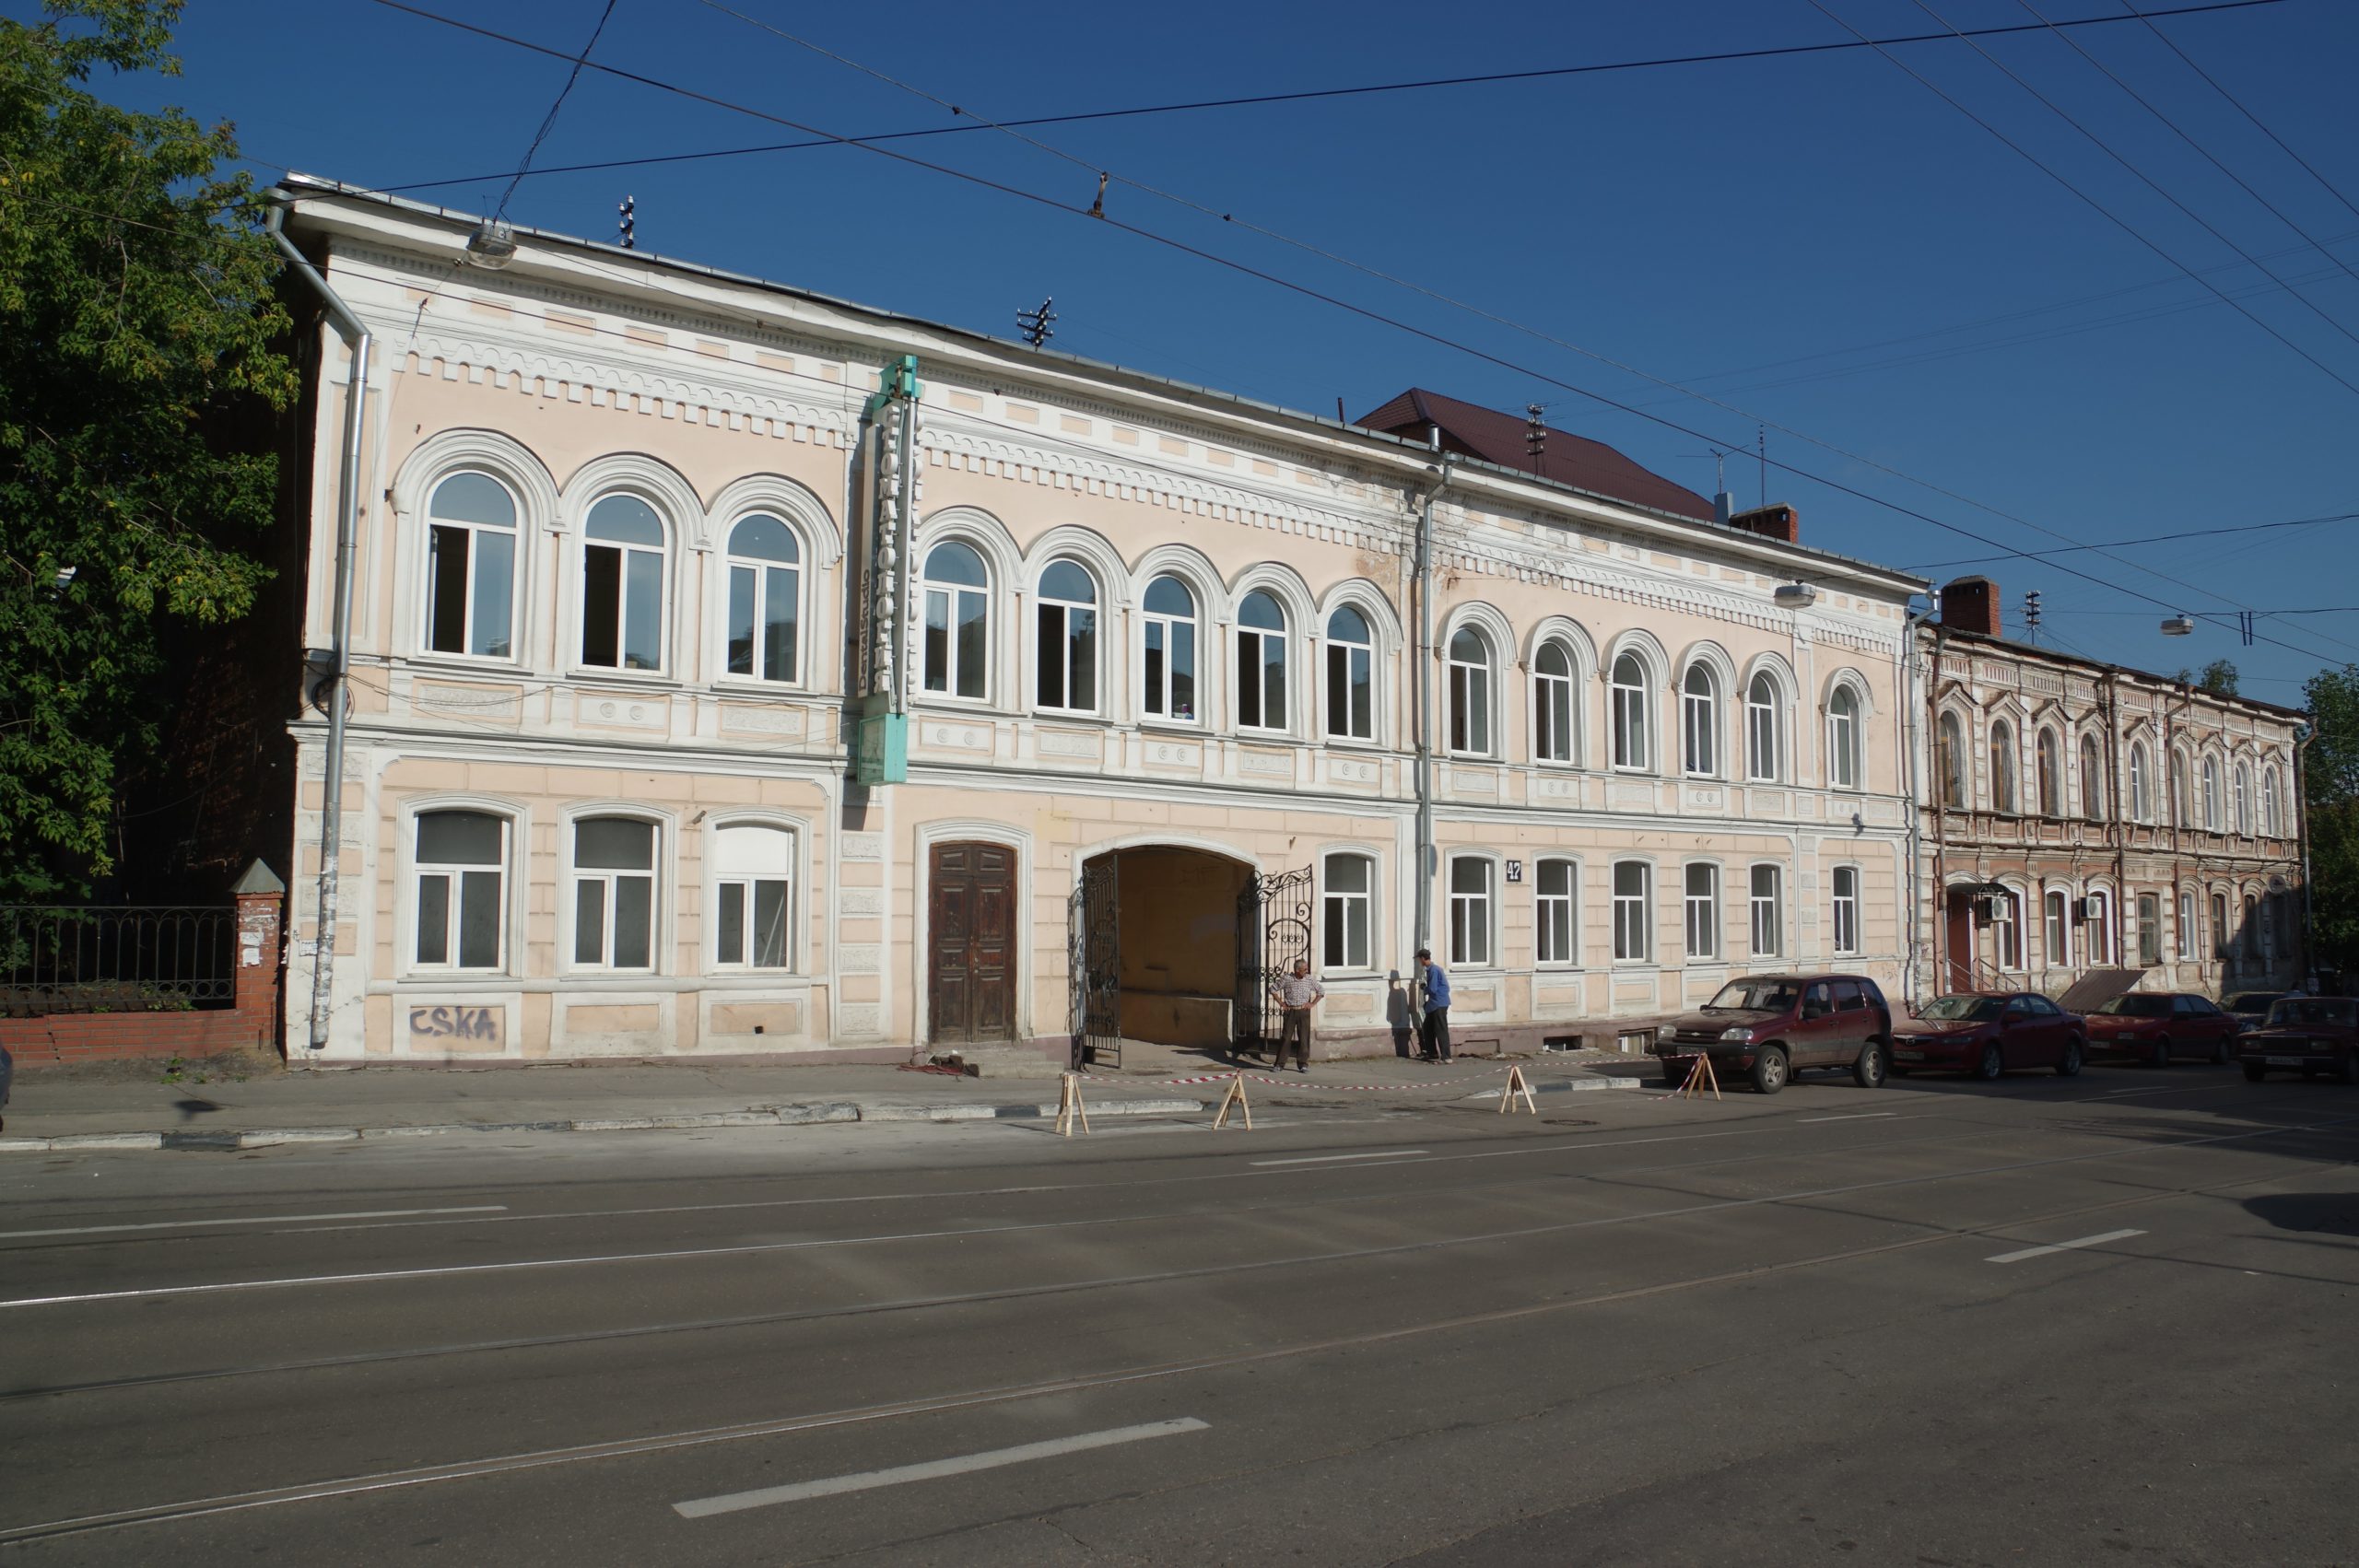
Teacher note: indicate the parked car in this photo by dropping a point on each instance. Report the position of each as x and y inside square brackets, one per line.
[2307, 1033]
[2251, 1007]
[1771, 1026]
[1988, 1035]
[2154, 1026]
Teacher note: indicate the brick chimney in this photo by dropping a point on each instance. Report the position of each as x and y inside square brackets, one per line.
[1782, 523]
[1971, 604]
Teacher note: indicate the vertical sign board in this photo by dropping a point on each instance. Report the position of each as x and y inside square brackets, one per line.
[882, 756]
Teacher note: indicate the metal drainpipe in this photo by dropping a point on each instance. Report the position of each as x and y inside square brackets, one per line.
[1424, 575]
[2117, 822]
[347, 536]
[1940, 806]
[2179, 829]
[1915, 796]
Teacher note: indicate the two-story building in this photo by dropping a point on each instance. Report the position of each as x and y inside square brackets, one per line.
[734, 670]
[2082, 818]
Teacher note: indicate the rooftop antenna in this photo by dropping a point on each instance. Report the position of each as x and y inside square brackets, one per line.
[1764, 438]
[1535, 433]
[2031, 616]
[1034, 325]
[626, 220]
[1724, 504]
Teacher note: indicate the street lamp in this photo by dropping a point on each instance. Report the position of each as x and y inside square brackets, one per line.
[2178, 626]
[492, 246]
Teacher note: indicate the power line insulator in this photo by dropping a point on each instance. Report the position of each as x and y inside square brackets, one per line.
[627, 220]
[1034, 325]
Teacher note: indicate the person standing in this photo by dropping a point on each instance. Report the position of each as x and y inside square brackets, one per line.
[1298, 993]
[1432, 991]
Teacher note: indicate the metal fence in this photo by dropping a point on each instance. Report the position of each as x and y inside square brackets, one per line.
[125, 959]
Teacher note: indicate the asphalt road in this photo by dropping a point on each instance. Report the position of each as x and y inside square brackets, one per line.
[2045, 1321]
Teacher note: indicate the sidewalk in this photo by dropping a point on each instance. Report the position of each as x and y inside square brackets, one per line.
[335, 1107]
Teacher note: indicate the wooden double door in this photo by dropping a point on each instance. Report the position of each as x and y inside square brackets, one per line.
[970, 942]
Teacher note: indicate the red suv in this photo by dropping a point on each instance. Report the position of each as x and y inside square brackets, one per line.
[1772, 1026]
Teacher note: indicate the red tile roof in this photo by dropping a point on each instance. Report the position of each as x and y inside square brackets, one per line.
[1473, 431]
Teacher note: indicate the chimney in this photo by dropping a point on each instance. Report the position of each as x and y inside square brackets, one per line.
[1722, 505]
[1971, 604]
[1782, 523]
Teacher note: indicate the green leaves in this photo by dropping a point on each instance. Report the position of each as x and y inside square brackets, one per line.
[138, 367]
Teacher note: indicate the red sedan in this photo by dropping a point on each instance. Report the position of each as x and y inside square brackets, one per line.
[2154, 1026]
[1987, 1036]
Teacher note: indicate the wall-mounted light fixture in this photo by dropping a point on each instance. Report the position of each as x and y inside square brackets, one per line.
[1796, 596]
[492, 246]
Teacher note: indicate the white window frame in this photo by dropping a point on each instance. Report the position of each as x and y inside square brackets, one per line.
[2272, 808]
[761, 567]
[1844, 732]
[2221, 907]
[1699, 723]
[628, 551]
[1702, 911]
[1844, 910]
[2097, 933]
[454, 874]
[1345, 656]
[1468, 717]
[1556, 921]
[2056, 911]
[1331, 899]
[953, 597]
[2141, 797]
[1473, 914]
[1631, 734]
[473, 533]
[2187, 934]
[2182, 791]
[1766, 910]
[2211, 794]
[1156, 702]
[609, 879]
[2240, 786]
[2004, 794]
[1556, 705]
[1254, 644]
[1074, 664]
[745, 883]
[1761, 728]
[1634, 913]
[2007, 929]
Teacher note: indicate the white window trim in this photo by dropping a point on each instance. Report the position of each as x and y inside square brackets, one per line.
[1778, 911]
[1493, 748]
[1647, 913]
[1712, 704]
[1718, 928]
[660, 948]
[1491, 899]
[1641, 707]
[1572, 915]
[512, 893]
[1374, 898]
[1197, 620]
[798, 883]
[1858, 902]
[1571, 682]
[997, 613]
[805, 599]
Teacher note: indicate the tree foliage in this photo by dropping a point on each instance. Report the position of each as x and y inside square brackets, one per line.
[2219, 678]
[138, 329]
[2330, 797]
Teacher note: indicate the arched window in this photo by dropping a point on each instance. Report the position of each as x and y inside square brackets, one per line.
[1351, 676]
[1699, 721]
[753, 894]
[1169, 677]
[1260, 662]
[2242, 784]
[1552, 704]
[1470, 692]
[2002, 767]
[624, 547]
[2221, 942]
[1633, 745]
[471, 567]
[1951, 762]
[1843, 739]
[2006, 930]
[1846, 909]
[1761, 728]
[2051, 775]
[765, 599]
[2140, 806]
[957, 622]
[2271, 823]
[2058, 953]
[462, 863]
[1345, 897]
[1066, 646]
[2210, 795]
[2251, 931]
[2092, 794]
[2096, 928]
[614, 893]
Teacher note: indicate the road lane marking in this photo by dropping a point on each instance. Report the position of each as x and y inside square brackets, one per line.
[1328, 1159]
[2097, 1240]
[249, 1220]
[1861, 1116]
[867, 1480]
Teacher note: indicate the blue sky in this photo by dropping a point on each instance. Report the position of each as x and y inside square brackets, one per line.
[1816, 240]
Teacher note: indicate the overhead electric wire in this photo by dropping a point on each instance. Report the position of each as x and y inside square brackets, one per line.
[548, 121]
[1307, 95]
[2099, 207]
[1105, 177]
[1304, 290]
[2237, 103]
[2144, 538]
[2181, 133]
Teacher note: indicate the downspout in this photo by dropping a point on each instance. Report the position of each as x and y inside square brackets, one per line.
[1424, 576]
[2303, 735]
[2179, 829]
[347, 536]
[1911, 987]
[2118, 822]
[1941, 804]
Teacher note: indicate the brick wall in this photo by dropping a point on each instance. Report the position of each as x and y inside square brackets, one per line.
[250, 1024]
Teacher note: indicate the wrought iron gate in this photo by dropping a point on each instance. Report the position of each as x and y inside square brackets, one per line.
[1273, 930]
[1094, 965]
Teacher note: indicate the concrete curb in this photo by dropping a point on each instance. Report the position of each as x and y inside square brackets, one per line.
[1570, 1085]
[831, 1112]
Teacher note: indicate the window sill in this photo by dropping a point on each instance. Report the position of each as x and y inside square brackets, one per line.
[598, 677]
[464, 663]
[747, 686]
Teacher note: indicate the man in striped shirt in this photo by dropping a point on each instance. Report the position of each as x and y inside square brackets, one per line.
[1298, 993]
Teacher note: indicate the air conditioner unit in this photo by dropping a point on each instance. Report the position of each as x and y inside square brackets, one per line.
[2080, 908]
[1991, 906]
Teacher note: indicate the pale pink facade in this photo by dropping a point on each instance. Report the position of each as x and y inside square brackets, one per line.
[600, 805]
